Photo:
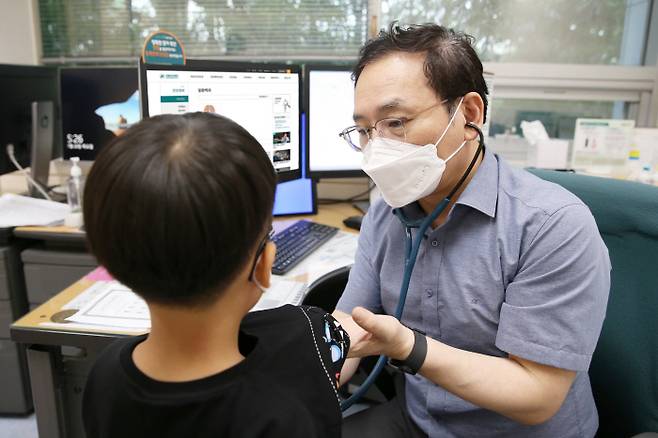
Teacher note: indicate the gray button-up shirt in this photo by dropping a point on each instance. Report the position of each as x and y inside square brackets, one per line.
[518, 268]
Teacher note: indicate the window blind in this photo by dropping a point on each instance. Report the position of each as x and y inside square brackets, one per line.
[207, 28]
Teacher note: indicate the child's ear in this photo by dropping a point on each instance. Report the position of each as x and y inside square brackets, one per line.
[263, 271]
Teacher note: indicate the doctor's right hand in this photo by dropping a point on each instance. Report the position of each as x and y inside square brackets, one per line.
[384, 335]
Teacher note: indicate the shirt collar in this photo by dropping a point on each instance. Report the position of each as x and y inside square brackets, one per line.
[481, 193]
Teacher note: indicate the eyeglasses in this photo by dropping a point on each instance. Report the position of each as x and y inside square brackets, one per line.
[357, 137]
[261, 247]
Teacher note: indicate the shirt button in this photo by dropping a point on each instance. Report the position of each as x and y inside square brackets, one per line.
[429, 292]
[435, 243]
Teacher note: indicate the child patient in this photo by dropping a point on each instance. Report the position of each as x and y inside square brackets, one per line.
[179, 209]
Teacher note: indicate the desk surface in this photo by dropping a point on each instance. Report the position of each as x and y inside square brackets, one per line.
[28, 329]
[327, 214]
[59, 234]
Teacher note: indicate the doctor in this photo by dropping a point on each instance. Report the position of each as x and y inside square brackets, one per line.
[509, 291]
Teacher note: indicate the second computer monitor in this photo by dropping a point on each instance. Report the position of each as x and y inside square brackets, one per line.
[263, 98]
[330, 106]
[98, 104]
[20, 87]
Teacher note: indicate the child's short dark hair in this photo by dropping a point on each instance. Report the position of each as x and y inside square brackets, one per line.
[175, 207]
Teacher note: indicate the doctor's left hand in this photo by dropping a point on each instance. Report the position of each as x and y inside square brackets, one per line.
[384, 335]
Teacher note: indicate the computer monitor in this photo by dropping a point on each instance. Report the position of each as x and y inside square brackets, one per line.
[297, 196]
[264, 98]
[20, 87]
[98, 103]
[330, 105]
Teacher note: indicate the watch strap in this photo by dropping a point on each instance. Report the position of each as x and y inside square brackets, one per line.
[416, 358]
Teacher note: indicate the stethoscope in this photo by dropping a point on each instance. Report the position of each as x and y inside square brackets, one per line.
[411, 249]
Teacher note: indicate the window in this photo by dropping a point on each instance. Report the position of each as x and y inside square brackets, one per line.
[580, 43]
[557, 93]
[555, 31]
[208, 28]
[558, 116]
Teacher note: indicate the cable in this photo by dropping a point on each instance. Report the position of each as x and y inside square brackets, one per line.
[30, 180]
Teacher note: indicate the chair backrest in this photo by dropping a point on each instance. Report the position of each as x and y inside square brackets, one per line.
[326, 290]
[624, 369]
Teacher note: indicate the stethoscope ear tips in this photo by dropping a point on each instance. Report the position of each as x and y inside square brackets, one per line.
[479, 131]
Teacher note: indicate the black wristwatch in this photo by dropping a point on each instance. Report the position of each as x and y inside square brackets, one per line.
[416, 358]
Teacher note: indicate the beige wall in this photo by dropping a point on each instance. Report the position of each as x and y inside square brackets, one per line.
[19, 32]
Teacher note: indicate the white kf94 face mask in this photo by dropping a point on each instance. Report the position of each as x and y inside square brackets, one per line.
[405, 172]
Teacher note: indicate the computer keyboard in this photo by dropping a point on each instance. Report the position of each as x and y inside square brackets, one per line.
[297, 242]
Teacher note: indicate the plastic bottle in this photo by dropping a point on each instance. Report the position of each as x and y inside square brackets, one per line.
[75, 187]
[645, 175]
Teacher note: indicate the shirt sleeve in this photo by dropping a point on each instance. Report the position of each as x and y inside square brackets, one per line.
[555, 305]
[363, 284]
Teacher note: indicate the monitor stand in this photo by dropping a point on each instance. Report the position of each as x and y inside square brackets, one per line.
[42, 144]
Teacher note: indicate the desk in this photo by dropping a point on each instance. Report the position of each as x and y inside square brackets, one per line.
[27, 329]
[59, 234]
[59, 360]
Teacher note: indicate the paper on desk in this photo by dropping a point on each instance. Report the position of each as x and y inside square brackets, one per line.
[336, 253]
[281, 291]
[99, 274]
[111, 305]
[16, 211]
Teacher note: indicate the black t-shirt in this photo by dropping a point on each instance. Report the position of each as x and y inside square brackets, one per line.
[285, 387]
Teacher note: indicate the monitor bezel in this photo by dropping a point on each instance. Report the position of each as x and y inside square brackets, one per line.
[319, 174]
[230, 66]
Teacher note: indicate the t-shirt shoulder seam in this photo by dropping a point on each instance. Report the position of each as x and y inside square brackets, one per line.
[550, 216]
[537, 207]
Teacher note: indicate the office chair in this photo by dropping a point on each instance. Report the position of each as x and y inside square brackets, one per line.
[624, 368]
[326, 290]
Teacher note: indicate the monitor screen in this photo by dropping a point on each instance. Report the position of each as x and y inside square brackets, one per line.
[294, 197]
[330, 94]
[19, 87]
[298, 196]
[263, 98]
[97, 105]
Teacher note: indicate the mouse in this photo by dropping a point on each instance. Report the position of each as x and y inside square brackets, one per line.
[353, 222]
